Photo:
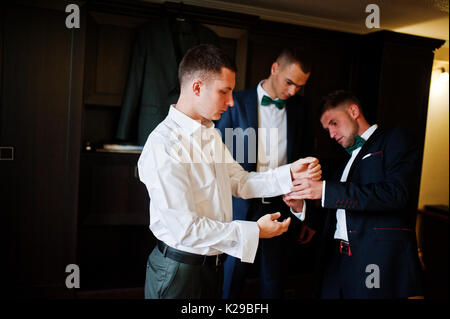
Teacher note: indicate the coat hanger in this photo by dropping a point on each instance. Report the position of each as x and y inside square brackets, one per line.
[180, 15]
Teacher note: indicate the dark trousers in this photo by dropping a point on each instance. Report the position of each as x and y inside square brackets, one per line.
[270, 257]
[399, 274]
[170, 279]
[337, 278]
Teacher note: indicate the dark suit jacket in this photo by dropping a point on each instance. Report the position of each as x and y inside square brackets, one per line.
[380, 198]
[152, 84]
[244, 115]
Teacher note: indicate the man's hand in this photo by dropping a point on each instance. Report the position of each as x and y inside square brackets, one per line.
[306, 234]
[307, 167]
[270, 227]
[305, 189]
[295, 204]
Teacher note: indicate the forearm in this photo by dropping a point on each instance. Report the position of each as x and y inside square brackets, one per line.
[262, 184]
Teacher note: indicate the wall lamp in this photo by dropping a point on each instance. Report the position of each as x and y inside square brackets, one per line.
[444, 75]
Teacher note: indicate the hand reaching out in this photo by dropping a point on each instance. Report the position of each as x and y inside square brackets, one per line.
[270, 227]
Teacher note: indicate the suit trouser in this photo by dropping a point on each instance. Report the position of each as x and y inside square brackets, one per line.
[270, 256]
[170, 279]
[337, 275]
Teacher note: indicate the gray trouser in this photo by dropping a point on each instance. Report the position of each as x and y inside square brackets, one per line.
[170, 279]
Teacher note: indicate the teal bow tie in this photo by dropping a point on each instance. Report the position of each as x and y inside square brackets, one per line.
[359, 141]
[278, 103]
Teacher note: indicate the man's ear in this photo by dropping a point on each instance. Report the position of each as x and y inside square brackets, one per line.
[354, 111]
[275, 67]
[196, 86]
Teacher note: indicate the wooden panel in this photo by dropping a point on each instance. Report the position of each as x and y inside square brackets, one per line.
[113, 256]
[108, 51]
[111, 192]
[239, 39]
[113, 238]
[433, 230]
[36, 111]
[404, 91]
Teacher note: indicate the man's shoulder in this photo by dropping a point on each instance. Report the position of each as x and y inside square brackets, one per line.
[163, 132]
[394, 139]
[244, 96]
[393, 133]
[297, 100]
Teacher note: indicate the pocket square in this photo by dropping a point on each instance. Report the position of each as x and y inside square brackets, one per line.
[371, 154]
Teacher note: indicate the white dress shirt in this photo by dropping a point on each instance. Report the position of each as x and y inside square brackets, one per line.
[272, 134]
[272, 138]
[341, 224]
[191, 177]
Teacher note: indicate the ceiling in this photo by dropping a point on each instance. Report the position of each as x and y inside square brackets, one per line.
[429, 18]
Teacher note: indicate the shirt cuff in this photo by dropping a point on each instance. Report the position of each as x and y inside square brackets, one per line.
[301, 215]
[323, 194]
[283, 175]
[249, 234]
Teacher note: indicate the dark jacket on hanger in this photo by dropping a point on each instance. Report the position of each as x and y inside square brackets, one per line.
[152, 84]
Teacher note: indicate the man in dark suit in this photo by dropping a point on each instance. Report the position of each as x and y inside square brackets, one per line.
[369, 243]
[269, 127]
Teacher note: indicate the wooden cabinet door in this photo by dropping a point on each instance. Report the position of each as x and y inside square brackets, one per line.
[40, 120]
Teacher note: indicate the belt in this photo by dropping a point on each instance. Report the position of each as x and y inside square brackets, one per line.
[344, 248]
[189, 258]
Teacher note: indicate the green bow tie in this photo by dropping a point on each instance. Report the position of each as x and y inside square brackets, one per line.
[359, 141]
[267, 101]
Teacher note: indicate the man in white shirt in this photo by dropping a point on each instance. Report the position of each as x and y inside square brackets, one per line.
[276, 129]
[191, 177]
[369, 244]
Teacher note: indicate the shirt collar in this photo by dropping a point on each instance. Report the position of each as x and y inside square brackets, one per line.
[185, 122]
[366, 135]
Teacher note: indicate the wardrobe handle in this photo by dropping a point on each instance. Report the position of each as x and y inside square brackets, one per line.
[6, 153]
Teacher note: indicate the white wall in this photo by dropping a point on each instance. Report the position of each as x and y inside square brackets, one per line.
[434, 186]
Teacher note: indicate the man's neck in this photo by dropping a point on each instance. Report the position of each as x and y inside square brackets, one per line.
[267, 86]
[364, 126]
[184, 106]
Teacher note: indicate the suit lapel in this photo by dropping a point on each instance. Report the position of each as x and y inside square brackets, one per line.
[251, 103]
[249, 118]
[363, 150]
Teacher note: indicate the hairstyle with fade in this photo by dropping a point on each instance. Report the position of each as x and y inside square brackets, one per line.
[203, 61]
[296, 55]
[339, 98]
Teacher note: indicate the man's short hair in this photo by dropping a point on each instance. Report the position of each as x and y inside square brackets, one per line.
[339, 98]
[202, 61]
[296, 55]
